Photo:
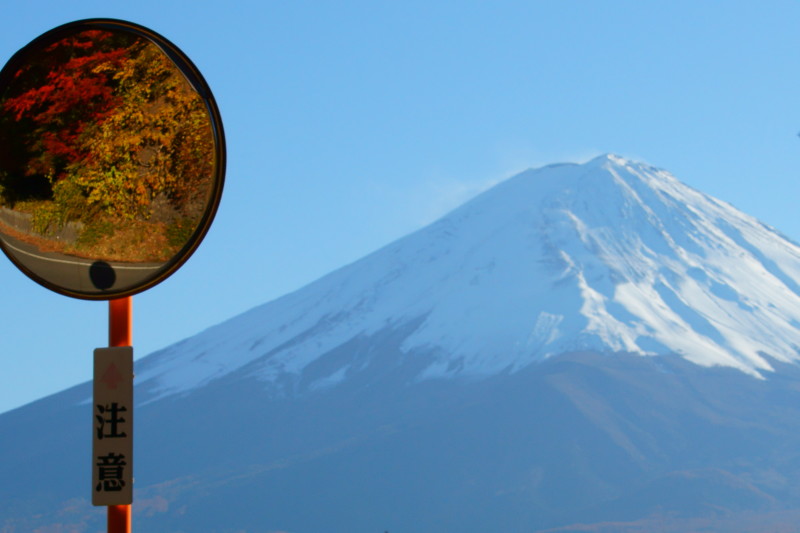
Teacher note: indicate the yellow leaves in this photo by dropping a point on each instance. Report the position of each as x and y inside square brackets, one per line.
[157, 141]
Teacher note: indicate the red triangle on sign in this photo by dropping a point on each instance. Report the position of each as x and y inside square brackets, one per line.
[111, 377]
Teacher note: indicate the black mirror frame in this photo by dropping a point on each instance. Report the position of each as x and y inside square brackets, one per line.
[196, 80]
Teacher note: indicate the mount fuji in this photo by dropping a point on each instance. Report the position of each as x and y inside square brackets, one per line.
[612, 256]
[583, 347]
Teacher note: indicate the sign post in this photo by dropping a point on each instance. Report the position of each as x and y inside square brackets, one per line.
[112, 436]
[114, 207]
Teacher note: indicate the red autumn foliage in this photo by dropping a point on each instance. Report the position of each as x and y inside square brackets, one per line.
[71, 94]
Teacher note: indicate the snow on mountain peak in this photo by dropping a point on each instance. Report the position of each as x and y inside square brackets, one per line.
[611, 255]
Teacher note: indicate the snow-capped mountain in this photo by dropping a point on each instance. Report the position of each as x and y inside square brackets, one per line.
[611, 256]
[591, 347]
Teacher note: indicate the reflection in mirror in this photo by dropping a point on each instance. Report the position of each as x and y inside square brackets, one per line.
[107, 157]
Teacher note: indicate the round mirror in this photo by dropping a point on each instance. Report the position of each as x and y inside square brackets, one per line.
[112, 159]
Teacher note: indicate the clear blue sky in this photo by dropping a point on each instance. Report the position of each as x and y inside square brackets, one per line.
[350, 124]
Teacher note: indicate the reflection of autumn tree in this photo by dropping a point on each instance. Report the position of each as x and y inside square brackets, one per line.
[51, 101]
[110, 131]
[155, 144]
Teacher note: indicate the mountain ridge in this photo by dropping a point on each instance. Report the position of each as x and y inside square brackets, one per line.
[610, 255]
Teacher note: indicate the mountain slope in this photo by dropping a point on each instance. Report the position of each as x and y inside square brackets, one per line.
[589, 347]
[642, 444]
[611, 255]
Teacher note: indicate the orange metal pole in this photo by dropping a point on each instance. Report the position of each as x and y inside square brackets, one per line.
[120, 322]
[119, 519]
[120, 333]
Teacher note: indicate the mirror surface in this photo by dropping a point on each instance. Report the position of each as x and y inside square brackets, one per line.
[111, 159]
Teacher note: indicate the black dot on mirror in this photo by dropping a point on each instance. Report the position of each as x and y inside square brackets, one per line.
[102, 275]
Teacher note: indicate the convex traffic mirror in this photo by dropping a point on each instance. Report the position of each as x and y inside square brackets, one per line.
[112, 159]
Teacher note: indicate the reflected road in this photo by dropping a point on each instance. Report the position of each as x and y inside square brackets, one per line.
[73, 273]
